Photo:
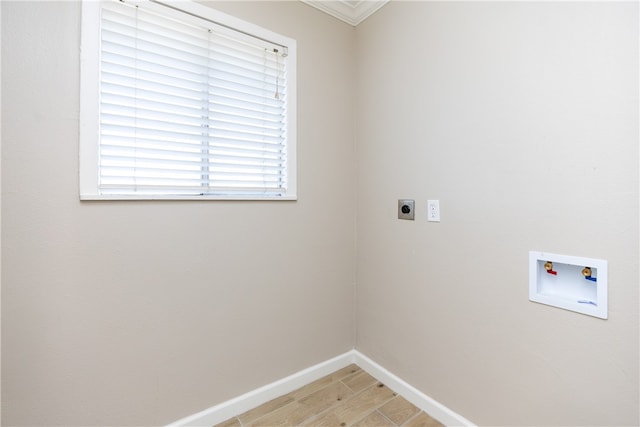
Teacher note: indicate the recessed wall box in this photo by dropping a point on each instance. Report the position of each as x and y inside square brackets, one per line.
[573, 283]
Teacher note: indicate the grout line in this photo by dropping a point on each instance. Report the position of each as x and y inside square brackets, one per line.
[344, 401]
[339, 379]
[333, 406]
[268, 413]
[407, 421]
[384, 416]
[360, 419]
[396, 396]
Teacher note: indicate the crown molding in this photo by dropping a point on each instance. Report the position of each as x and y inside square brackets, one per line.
[350, 11]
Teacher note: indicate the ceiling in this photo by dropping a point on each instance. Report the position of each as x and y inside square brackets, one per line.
[350, 11]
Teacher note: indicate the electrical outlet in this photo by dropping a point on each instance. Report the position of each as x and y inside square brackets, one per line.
[433, 210]
[405, 209]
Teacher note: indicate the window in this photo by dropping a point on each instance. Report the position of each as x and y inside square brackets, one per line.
[179, 101]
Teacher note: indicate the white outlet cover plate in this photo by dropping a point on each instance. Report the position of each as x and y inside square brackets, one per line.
[433, 210]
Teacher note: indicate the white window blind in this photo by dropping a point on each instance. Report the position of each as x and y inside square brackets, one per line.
[189, 107]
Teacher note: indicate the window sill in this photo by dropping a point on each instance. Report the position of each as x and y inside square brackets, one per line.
[115, 197]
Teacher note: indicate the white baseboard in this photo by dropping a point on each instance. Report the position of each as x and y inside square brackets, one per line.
[236, 406]
[434, 408]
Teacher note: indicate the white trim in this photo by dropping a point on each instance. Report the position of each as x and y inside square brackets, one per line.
[350, 12]
[257, 397]
[111, 197]
[236, 406]
[434, 408]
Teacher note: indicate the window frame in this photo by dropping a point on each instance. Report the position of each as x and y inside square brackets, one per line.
[90, 101]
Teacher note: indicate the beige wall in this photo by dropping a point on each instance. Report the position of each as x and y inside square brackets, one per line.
[140, 313]
[522, 119]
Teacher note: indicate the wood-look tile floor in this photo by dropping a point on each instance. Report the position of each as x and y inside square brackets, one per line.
[345, 398]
